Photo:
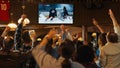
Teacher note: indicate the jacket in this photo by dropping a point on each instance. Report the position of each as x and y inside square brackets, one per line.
[109, 56]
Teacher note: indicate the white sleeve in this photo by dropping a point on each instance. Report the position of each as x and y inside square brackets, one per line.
[42, 58]
[38, 53]
[117, 30]
[102, 58]
[69, 36]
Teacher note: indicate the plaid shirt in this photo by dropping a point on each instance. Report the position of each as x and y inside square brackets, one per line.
[17, 37]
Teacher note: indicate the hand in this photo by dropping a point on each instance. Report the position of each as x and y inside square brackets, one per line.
[94, 21]
[7, 29]
[111, 13]
[52, 33]
[23, 16]
[67, 29]
[32, 34]
[24, 20]
[62, 27]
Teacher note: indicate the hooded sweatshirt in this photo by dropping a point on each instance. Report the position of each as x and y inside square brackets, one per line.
[110, 55]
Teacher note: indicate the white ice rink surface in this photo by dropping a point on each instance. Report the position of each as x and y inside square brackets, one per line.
[56, 20]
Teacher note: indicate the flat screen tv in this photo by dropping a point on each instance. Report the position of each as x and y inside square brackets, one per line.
[55, 13]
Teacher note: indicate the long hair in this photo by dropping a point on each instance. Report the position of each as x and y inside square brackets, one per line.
[102, 39]
[67, 49]
[26, 37]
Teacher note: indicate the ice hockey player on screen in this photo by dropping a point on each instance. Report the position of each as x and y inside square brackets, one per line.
[65, 13]
[52, 14]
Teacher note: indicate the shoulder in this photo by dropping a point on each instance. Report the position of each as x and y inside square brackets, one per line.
[104, 48]
[76, 65]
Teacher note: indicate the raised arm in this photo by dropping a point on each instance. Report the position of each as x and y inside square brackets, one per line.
[97, 25]
[114, 21]
[39, 52]
[51, 33]
[18, 34]
[5, 32]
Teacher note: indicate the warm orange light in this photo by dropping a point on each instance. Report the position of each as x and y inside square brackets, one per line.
[94, 34]
[80, 39]
[39, 39]
[12, 25]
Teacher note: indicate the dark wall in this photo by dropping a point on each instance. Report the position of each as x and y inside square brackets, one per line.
[82, 14]
[30, 10]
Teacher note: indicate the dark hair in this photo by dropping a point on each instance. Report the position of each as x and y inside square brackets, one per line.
[67, 49]
[8, 43]
[26, 37]
[85, 54]
[79, 44]
[48, 47]
[112, 37]
[66, 64]
[102, 38]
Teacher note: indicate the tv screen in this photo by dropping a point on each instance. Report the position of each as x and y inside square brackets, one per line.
[55, 13]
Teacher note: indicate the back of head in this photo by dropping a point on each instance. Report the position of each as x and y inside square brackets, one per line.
[66, 64]
[85, 54]
[26, 37]
[102, 39]
[79, 44]
[8, 43]
[67, 49]
[112, 37]
[48, 47]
